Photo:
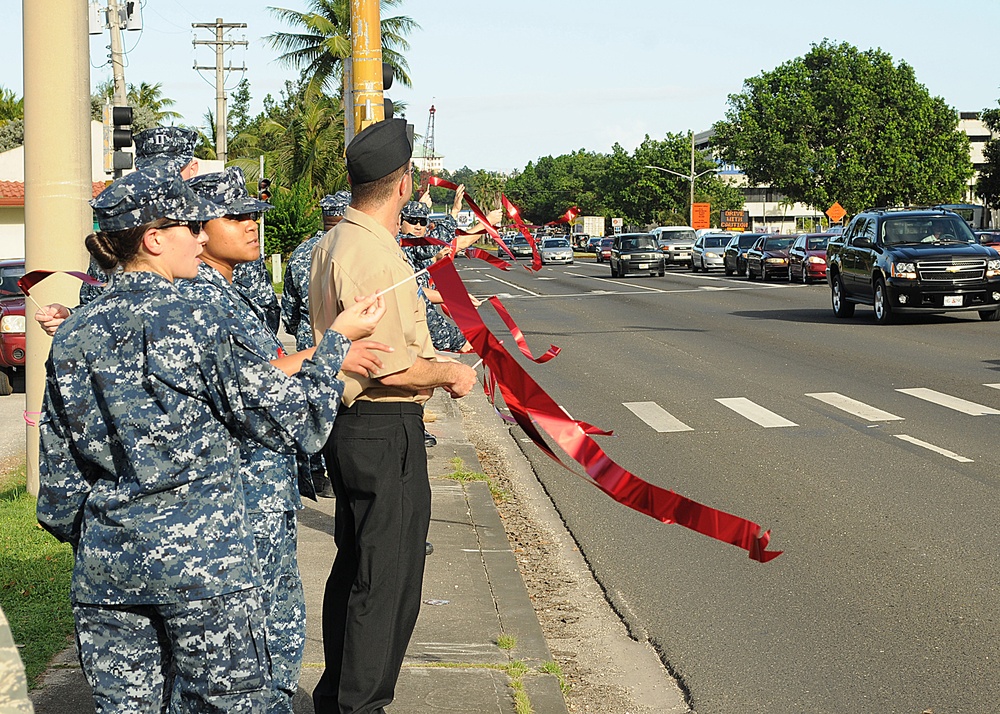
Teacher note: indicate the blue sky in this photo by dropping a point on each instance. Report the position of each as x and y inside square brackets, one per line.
[516, 80]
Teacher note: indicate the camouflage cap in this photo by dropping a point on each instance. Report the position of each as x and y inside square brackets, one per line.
[143, 196]
[336, 204]
[169, 145]
[415, 209]
[227, 189]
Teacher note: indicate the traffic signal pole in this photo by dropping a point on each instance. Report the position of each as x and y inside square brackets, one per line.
[57, 174]
[117, 60]
[366, 64]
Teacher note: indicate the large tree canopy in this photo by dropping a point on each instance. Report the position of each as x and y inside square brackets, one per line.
[988, 184]
[841, 124]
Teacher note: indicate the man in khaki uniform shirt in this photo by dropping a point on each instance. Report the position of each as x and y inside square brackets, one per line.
[376, 455]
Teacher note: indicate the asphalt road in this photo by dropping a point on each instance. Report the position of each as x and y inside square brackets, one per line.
[886, 597]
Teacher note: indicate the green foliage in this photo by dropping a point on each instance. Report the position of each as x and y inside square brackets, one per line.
[988, 184]
[11, 134]
[149, 107]
[34, 587]
[294, 218]
[841, 124]
[11, 106]
[545, 189]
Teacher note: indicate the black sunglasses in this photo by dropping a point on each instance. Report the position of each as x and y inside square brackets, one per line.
[416, 221]
[252, 216]
[193, 226]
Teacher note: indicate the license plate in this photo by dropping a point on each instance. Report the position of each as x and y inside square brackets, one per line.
[643, 266]
[953, 301]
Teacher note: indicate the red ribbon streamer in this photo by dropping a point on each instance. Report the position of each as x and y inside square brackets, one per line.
[488, 257]
[515, 215]
[529, 404]
[567, 217]
[443, 183]
[518, 336]
[30, 280]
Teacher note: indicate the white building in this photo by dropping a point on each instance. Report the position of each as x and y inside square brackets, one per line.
[427, 164]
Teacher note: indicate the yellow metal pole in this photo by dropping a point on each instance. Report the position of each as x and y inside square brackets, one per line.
[57, 173]
[366, 53]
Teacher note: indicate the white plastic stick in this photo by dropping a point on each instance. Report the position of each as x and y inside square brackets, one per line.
[401, 282]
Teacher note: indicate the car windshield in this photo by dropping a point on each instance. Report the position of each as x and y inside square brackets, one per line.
[817, 243]
[518, 240]
[8, 280]
[555, 243]
[926, 229]
[777, 243]
[638, 244]
[716, 241]
[606, 243]
[677, 237]
[748, 240]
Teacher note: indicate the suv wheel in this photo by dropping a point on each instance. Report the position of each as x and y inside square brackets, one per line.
[883, 310]
[841, 308]
[990, 315]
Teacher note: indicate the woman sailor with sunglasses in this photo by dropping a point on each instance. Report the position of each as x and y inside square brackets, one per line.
[149, 395]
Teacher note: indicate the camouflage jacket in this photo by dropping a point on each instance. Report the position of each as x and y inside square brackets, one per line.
[295, 298]
[89, 292]
[145, 408]
[254, 283]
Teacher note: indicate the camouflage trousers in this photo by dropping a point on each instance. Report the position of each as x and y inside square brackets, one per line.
[201, 656]
[275, 536]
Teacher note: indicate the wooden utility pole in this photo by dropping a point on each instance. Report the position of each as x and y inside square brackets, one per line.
[117, 61]
[366, 65]
[57, 174]
[221, 44]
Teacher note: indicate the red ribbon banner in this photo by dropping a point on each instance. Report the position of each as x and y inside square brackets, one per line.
[568, 217]
[518, 336]
[515, 215]
[30, 280]
[530, 405]
[490, 228]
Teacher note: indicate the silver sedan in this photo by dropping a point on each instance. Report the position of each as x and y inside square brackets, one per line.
[556, 250]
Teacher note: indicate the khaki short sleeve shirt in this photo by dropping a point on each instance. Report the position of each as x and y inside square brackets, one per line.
[360, 257]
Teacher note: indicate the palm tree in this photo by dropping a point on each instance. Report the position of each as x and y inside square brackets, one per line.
[11, 106]
[151, 96]
[325, 41]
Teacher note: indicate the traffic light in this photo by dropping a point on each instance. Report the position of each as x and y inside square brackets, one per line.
[117, 135]
[264, 190]
[388, 74]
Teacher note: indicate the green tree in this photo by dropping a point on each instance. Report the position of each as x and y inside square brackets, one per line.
[324, 41]
[294, 218]
[545, 189]
[841, 124]
[11, 106]
[988, 183]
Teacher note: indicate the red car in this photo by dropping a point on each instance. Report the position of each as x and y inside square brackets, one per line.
[807, 257]
[11, 325]
[604, 250]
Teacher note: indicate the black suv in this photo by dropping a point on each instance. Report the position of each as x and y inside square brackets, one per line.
[912, 260]
[636, 252]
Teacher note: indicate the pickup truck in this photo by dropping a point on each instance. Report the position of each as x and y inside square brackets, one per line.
[11, 325]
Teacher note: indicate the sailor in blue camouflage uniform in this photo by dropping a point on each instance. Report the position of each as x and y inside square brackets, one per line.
[254, 282]
[145, 408]
[269, 477]
[295, 315]
[167, 149]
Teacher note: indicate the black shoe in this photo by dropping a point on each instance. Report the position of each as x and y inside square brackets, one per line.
[429, 439]
[428, 548]
[324, 489]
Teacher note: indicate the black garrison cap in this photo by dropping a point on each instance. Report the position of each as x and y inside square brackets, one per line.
[378, 151]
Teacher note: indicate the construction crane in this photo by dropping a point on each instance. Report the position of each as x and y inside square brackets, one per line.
[429, 154]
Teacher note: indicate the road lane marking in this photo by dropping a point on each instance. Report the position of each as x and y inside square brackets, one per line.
[512, 285]
[656, 417]
[755, 413]
[852, 406]
[946, 400]
[935, 449]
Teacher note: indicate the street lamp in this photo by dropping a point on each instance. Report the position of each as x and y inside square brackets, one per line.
[690, 177]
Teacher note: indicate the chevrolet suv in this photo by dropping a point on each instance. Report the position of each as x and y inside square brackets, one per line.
[11, 325]
[912, 260]
[635, 252]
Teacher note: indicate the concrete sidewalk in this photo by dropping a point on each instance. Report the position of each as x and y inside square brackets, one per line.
[473, 594]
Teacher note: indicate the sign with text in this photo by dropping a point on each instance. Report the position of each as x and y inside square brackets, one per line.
[616, 222]
[701, 215]
[836, 212]
[734, 220]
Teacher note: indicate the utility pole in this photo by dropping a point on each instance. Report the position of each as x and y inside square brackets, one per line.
[221, 44]
[117, 63]
[366, 65]
[690, 177]
[57, 174]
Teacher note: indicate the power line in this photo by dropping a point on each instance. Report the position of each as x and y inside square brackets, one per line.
[221, 44]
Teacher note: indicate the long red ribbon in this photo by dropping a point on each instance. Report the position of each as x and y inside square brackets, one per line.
[30, 280]
[444, 183]
[567, 217]
[530, 405]
[518, 336]
[515, 215]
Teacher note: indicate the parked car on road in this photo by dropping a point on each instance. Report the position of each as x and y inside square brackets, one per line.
[989, 238]
[12, 349]
[604, 250]
[769, 257]
[912, 260]
[706, 253]
[593, 243]
[556, 250]
[734, 256]
[518, 245]
[675, 242]
[635, 252]
[807, 257]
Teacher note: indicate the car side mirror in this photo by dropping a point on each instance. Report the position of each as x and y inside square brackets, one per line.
[863, 243]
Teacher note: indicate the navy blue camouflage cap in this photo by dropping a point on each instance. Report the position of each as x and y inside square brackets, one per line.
[144, 196]
[228, 190]
[172, 146]
[336, 204]
[415, 209]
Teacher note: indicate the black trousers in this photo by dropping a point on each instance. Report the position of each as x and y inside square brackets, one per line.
[378, 465]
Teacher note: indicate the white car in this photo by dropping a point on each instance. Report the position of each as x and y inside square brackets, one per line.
[556, 250]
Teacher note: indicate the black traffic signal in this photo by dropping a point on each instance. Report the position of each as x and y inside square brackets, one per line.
[117, 135]
[264, 190]
[388, 74]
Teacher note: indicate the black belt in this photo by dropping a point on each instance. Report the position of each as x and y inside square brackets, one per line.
[382, 408]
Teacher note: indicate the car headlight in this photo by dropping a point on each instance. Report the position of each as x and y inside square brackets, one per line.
[711, 255]
[12, 323]
[625, 256]
[992, 268]
[904, 270]
[815, 259]
[777, 261]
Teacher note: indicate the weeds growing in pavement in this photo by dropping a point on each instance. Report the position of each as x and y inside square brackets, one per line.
[34, 585]
[506, 642]
[463, 475]
[553, 667]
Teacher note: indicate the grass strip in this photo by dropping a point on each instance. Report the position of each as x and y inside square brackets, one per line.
[35, 572]
[463, 475]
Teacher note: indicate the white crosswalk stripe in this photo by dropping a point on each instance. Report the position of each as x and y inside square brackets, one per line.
[755, 413]
[946, 400]
[935, 449]
[656, 416]
[854, 407]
